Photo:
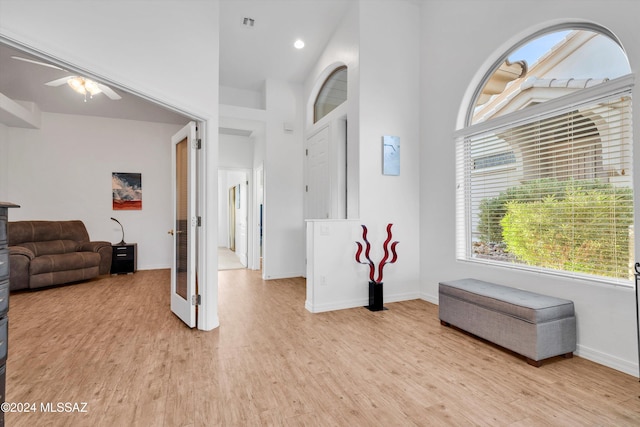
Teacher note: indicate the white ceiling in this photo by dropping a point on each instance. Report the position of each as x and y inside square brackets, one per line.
[247, 57]
[24, 81]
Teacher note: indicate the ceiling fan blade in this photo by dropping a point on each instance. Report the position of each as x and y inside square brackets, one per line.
[109, 92]
[59, 82]
[32, 61]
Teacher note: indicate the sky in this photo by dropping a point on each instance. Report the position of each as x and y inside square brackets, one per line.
[537, 47]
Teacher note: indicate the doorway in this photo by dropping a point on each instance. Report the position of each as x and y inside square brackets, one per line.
[159, 248]
[326, 170]
[234, 234]
[240, 154]
[232, 217]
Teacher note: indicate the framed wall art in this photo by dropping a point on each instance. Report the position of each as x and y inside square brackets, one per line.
[390, 155]
[126, 191]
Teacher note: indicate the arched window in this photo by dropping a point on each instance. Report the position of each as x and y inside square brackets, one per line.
[544, 163]
[332, 93]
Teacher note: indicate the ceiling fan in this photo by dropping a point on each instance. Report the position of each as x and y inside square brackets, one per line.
[82, 85]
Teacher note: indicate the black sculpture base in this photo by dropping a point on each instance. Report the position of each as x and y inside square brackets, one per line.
[375, 297]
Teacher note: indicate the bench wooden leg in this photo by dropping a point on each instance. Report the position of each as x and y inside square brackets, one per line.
[443, 323]
[536, 363]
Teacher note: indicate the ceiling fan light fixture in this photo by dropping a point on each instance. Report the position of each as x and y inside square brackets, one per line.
[77, 84]
[91, 87]
[84, 86]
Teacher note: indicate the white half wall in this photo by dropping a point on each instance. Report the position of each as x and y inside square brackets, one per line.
[459, 41]
[63, 171]
[335, 280]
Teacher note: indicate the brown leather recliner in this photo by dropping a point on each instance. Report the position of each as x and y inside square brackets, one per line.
[46, 253]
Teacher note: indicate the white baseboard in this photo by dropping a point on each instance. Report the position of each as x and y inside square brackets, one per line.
[360, 302]
[429, 298]
[154, 267]
[284, 276]
[333, 306]
[591, 354]
[407, 296]
[243, 259]
[608, 360]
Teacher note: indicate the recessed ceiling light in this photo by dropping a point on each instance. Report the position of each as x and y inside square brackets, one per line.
[299, 44]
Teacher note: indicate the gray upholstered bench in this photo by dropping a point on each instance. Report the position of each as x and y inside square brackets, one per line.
[533, 325]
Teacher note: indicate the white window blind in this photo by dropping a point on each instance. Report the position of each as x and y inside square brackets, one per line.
[549, 188]
[332, 93]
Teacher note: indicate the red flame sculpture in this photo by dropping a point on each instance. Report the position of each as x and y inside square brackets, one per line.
[383, 262]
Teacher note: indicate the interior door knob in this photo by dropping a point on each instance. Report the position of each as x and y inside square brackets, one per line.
[170, 232]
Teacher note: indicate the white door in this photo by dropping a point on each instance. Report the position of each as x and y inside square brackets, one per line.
[318, 189]
[242, 211]
[183, 268]
[257, 219]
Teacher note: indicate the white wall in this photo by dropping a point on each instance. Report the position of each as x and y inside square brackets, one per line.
[151, 56]
[63, 171]
[383, 100]
[459, 41]
[283, 182]
[389, 105]
[241, 97]
[235, 152]
[342, 49]
[126, 46]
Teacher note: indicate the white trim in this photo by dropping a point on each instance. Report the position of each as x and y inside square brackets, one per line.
[208, 202]
[317, 86]
[358, 302]
[606, 359]
[5, 39]
[553, 106]
[284, 275]
[564, 26]
[430, 298]
[628, 367]
[608, 281]
[611, 90]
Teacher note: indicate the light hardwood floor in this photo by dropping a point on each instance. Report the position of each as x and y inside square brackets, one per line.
[114, 344]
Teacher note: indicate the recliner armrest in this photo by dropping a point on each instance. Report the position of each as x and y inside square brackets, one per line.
[105, 251]
[20, 260]
[93, 246]
[21, 250]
